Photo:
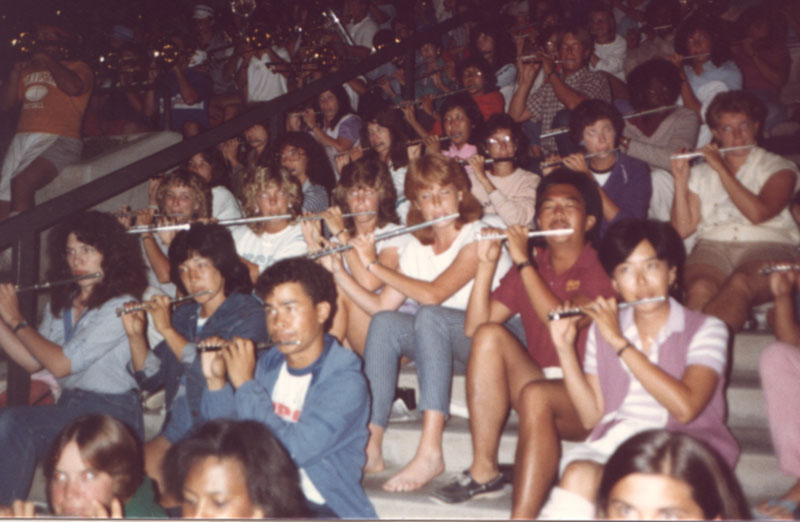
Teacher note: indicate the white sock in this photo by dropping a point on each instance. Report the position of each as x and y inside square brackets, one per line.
[566, 505]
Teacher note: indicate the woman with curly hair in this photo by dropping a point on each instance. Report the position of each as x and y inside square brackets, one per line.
[80, 341]
[270, 191]
[365, 186]
[203, 263]
[305, 159]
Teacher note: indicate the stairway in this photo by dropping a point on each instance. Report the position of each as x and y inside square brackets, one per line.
[757, 469]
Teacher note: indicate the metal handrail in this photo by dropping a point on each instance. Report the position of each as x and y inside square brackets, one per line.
[21, 232]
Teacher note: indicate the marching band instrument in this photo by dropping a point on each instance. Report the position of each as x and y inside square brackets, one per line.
[781, 267]
[537, 58]
[420, 141]
[549, 164]
[224, 223]
[59, 282]
[313, 217]
[258, 346]
[533, 233]
[417, 101]
[572, 312]
[385, 235]
[699, 154]
[143, 306]
[488, 161]
[564, 130]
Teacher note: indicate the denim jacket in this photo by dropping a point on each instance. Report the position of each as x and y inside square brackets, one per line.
[240, 315]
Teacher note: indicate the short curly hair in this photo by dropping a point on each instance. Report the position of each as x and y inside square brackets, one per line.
[123, 267]
[201, 207]
[589, 112]
[317, 282]
[737, 102]
[259, 179]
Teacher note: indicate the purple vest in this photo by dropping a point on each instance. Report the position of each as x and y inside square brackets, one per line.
[709, 426]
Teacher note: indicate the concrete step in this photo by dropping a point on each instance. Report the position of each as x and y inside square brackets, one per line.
[757, 470]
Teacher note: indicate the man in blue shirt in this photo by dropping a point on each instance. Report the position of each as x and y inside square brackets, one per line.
[318, 394]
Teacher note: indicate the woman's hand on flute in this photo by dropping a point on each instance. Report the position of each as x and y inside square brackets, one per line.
[680, 168]
[335, 221]
[133, 322]
[714, 157]
[577, 162]
[489, 249]
[365, 246]
[159, 309]
[478, 164]
[432, 144]
[564, 331]
[167, 235]
[552, 160]
[312, 233]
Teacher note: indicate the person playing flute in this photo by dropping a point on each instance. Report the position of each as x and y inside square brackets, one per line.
[432, 283]
[501, 362]
[270, 191]
[204, 262]
[734, 209]
[80, 342]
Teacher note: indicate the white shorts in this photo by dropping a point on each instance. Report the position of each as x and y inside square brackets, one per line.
[27, 146]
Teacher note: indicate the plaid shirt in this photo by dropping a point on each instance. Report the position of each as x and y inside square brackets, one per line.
[543, 103]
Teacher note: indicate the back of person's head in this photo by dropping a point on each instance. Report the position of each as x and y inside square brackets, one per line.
[589, 112]
[370, 174]
[316, 281]
[585, 186]
[713, 486]
[273, 482]
[436, 169]
[106, 445]
[201, 191]
[657, 71]
[123, 267]
[735, 102]
[622, 238]
[215, 243]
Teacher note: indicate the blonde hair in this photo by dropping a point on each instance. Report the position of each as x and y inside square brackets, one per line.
[437, 169]
[198, 186]
[261, 178]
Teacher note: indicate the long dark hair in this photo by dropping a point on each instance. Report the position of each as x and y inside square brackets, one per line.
[124, 271]
[215, 243]
[720, 50]
[273, 482]
[318, 169]
[393, 120]
[220, 175]
[714, 488]
[344, 105]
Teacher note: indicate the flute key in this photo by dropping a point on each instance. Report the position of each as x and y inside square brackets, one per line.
[572, 312]
[258, 346]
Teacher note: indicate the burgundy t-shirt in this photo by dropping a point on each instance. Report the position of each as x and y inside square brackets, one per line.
[586, 277]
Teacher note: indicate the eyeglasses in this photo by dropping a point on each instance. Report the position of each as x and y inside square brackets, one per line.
[494, 142]
[364, 191]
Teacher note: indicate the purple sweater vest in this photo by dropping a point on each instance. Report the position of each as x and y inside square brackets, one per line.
[709, 426]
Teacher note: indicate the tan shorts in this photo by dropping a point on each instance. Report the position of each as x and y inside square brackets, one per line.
[727, 256]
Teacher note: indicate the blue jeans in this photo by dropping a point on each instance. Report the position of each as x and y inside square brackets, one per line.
[27, 432]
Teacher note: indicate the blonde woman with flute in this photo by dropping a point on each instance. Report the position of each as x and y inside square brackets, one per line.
[432, 283]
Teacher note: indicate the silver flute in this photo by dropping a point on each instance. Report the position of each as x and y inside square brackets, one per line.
[549, 164]
[656, 110]
[314, 217]
[532, 233]
[385, 235]
[143, 306]
[258, 346]
[224, 223]
[699, 154]
[572, 312]
[780, 267]
[488, 161]
[416, 101]
[59, 282]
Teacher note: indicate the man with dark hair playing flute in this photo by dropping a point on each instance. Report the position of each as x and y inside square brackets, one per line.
[742, 219]
[499, 365]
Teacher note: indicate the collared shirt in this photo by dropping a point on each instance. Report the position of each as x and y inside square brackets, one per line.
[315, 199]
[585, 277]
[721, 219]
[543, 103]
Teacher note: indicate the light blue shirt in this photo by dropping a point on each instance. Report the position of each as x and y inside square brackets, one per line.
[727, 73]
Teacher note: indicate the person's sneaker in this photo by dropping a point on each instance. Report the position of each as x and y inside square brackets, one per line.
[464, 487]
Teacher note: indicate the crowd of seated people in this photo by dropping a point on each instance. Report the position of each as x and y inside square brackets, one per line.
[264, 283]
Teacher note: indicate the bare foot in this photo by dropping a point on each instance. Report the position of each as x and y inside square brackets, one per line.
[421, 470]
